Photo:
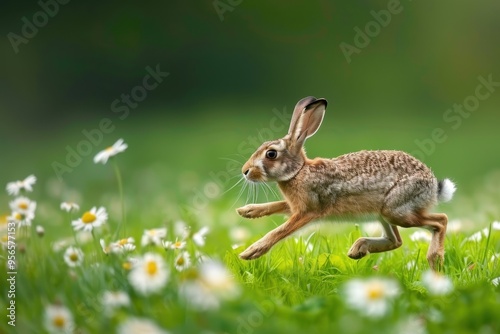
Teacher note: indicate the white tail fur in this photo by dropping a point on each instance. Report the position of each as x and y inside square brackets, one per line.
[446, 190]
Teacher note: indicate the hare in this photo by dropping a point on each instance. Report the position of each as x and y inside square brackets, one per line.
[393, 185]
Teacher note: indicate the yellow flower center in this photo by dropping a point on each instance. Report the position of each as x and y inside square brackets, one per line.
[73, 257]
[180, 261]
[151, 268]
[18, 216]
[88, 217]
[109, 149]
[59, 321]
[177, 244]
[375, 291]
[23, 205]
[127, 265]
[123, 242]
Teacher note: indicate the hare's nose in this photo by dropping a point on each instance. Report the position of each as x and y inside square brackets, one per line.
[246, 172]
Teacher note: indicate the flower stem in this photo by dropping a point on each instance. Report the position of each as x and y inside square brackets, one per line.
[120, 190]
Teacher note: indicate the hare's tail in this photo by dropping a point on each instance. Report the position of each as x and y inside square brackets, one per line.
[446, 189]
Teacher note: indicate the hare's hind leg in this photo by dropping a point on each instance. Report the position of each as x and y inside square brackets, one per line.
[389, 241]
[264, 209]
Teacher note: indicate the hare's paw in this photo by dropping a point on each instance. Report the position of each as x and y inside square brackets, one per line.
[251, 211]
[359, 249]
[256, 250]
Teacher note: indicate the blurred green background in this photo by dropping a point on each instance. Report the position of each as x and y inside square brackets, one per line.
[229, 68]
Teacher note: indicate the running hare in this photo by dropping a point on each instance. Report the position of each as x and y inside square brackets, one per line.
[393, 185]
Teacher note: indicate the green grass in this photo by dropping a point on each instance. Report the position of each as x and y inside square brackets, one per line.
[291, 289]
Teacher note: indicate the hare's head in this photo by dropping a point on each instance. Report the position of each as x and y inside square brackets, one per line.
[281, 159]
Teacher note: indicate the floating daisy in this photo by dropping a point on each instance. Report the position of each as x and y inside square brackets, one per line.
[436, 283]
[70, 206]
[73, 256]
[206, 288]
[118, 247]
[58, 319]
[91, 219]
[174, 245]
[182, 261]
[112, 300]
[13, 188]
[372, 297]
[421, 236]
[153, 236]
[149, 274]
[199, 237]
[103, 156]
[139, 325]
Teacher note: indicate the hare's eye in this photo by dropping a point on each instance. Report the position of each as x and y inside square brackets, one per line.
[271, 154]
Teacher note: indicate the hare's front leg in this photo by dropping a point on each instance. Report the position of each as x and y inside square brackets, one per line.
[262, 246]
[264, 209]
[390, 240]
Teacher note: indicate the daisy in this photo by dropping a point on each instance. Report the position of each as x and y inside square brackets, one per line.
[149, 274]
[13, 188]
[174, 245]
[182, 261]
[118, 247]
[58, 319]
[205, 289]
[437, 284]
[239, 234]
[421, 236]
[181, 229]
[495, 225]
[199, 237]
[153, 236]
[111, 151]
[73, 256]
[114, 299]
[40, 230]
[23, 205]
[22, 219]
[478, 236]
[372, 296]
[139, 325]
[91, 219]
[70, 206]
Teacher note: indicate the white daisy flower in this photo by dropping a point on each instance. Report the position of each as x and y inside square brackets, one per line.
[199, 237]
[478, 236]
[73, 256]
[174, 245]
[91, 219]
[118, 247]
[372, 296]
[112, 300]
[421, 236]
[139, 325]
[149, 274]
[181, 230]
[61, 244]
[58, 319]
[213, 284]
[496, 281]
[40, 230]
[436, 283]
[13, 188]
[495, 225]
[111, 151]
[22, 219]
[70, 207]
[153, 236]
[182, 261]
[239, 234]
[23, 205]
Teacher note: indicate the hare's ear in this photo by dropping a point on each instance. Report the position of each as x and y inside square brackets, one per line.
[306, 119]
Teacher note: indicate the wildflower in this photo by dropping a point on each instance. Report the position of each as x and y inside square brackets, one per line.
[174, 245]
[478, 236]
[153, 236]
[206, 288]
[13, 188]
[239, 234]
[40, 231]
[181, 229]
[23, 205]
[118, 247]
[149, 274]
[139, 325]
[114, 299]
[199, 237]
[73, 256]
[111, 151]
[58, 319]
[421, 236]
[496, 281]
[91, 219]
[437, 284]
[22, 219]
[70, 206]
[495, 225]
[182, 261]
[371, 296]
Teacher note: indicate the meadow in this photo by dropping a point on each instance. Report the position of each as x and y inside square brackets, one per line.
[162, 254]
